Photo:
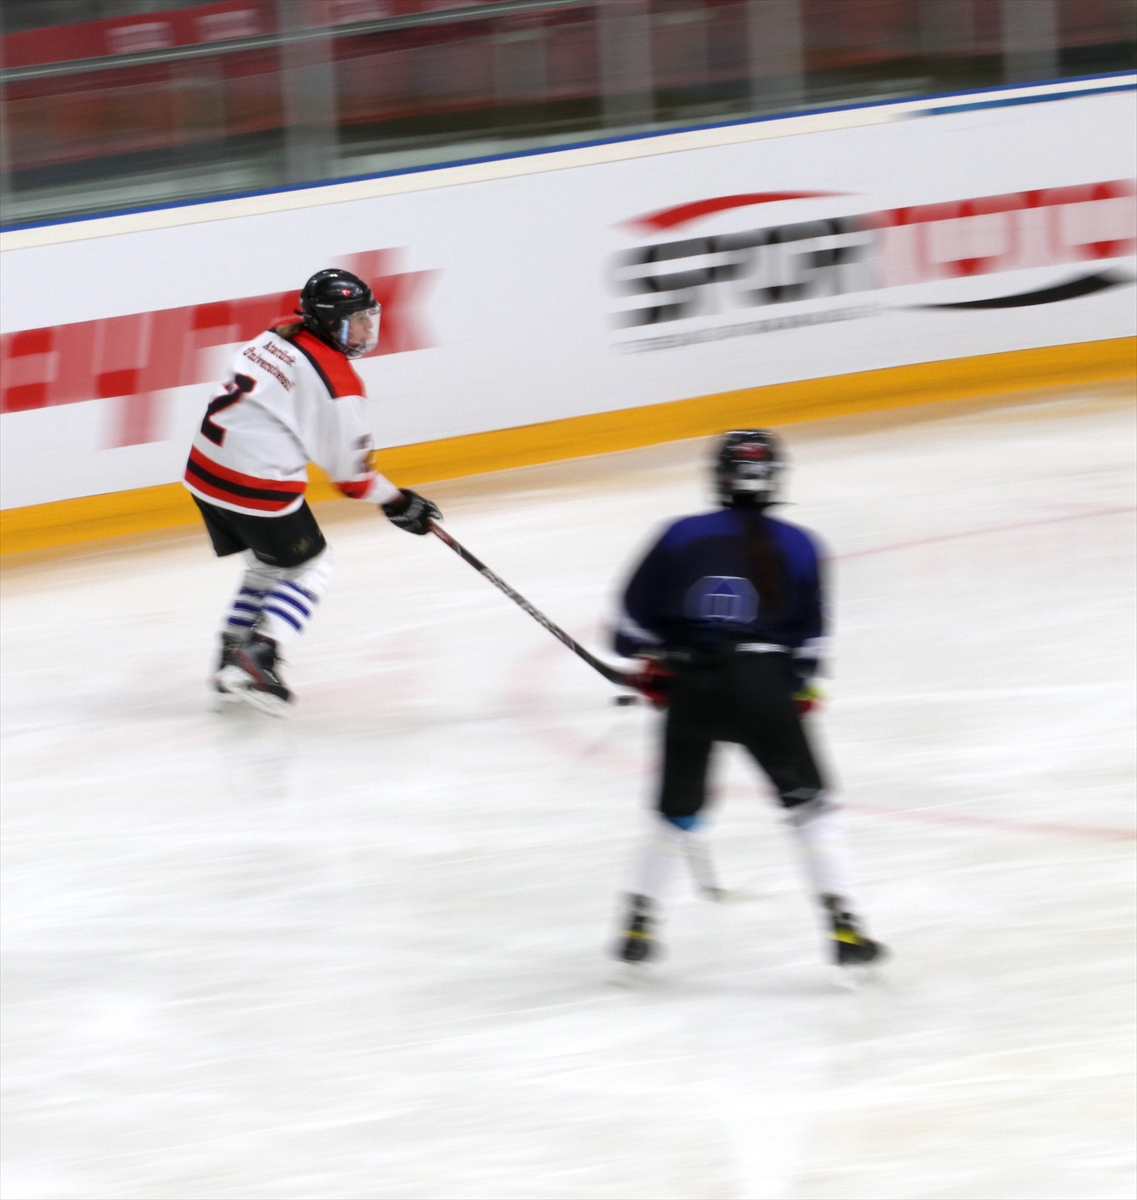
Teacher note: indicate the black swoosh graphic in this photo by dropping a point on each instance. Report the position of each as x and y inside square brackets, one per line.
[1086, 285]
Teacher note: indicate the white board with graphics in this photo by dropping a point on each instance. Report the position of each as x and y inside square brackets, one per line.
[581, 281]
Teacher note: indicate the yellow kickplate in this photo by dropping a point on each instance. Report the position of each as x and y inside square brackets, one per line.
[169, 505]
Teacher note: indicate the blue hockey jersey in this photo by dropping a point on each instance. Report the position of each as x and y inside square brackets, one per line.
[692, 591]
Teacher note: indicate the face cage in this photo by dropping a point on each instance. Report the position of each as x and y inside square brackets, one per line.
[359, 347]
[732, 486]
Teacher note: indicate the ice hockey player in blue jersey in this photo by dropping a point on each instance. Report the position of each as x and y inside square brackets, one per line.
[727, 612]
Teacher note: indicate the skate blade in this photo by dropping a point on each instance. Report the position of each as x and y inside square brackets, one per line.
[231, 681]
[265, 702]
[222, 699]
[224, 695]
[238, 684]
[631, 976]
[855, 976]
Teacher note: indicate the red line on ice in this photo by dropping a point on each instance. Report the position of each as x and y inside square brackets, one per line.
[533, 705]
[936, 816]
[956, 537]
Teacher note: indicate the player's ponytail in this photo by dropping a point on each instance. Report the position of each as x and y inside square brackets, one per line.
[766, 564]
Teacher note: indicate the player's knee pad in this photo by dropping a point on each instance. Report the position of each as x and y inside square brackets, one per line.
[670, 835]
[259, 574]
[805, 812]
[292, 596]
[314, 575]
[804, 800]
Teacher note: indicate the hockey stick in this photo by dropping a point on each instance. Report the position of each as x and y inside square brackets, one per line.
[609, 672]
[699, 855]
[703, 869]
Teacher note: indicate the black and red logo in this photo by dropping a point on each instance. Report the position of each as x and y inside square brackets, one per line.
[698, 275]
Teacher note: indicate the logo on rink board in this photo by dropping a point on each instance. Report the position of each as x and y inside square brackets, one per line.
[139, 355]
[723, 275]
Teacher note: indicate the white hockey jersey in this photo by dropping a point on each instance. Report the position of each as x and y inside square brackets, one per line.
[287, 401]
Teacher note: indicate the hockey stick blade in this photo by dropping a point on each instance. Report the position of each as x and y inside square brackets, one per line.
[602, 668]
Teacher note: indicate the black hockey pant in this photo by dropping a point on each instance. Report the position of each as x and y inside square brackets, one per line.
[739, 697]
[287, 541]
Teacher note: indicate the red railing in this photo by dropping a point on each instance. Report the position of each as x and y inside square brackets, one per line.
[463, 66]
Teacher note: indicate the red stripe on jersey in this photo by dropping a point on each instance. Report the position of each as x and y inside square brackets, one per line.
[332, 366]
[244, 502]
[356, 489]
[292, 486]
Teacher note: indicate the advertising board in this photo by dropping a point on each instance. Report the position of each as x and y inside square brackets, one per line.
[592, 287]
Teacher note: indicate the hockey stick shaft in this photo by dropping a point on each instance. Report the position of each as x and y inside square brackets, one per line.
[609, 672]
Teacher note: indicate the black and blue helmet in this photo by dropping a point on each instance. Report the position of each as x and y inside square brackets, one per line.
[748, 468]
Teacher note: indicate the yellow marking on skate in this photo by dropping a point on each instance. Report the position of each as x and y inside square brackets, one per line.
[845, 935]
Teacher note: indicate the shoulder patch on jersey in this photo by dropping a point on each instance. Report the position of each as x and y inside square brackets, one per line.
[338, 375]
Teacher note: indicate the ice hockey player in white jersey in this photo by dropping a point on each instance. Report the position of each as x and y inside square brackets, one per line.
[291, 397]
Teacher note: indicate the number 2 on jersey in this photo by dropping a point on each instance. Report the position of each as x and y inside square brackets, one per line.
[241, 385]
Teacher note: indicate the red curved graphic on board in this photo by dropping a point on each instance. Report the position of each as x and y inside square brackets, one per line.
[671, 218]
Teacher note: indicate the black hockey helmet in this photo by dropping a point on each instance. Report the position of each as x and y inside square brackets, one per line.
[748, 466]
[328, 302]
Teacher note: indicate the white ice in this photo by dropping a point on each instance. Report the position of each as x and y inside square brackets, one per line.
[362, 953]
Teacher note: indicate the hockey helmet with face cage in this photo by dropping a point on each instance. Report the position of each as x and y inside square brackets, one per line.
[748, 467]
[340, 309]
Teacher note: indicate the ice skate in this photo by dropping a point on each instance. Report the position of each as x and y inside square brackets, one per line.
[637, 943]
[853, 949]
[224, 693]
[854, 953]
[252, 676]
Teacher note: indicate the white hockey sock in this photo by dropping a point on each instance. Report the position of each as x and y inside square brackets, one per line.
[292, 597]
[246, 605]
[660, 858]
[821, 835]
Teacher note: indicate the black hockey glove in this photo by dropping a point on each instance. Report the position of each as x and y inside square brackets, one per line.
[412, 512]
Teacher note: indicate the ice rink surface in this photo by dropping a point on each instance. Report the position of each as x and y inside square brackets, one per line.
[361, 953]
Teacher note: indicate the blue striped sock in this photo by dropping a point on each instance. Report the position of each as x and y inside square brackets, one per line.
[287, 609]
[244, 609]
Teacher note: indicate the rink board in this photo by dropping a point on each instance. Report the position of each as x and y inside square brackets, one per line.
[597, 298]
[116, 514]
